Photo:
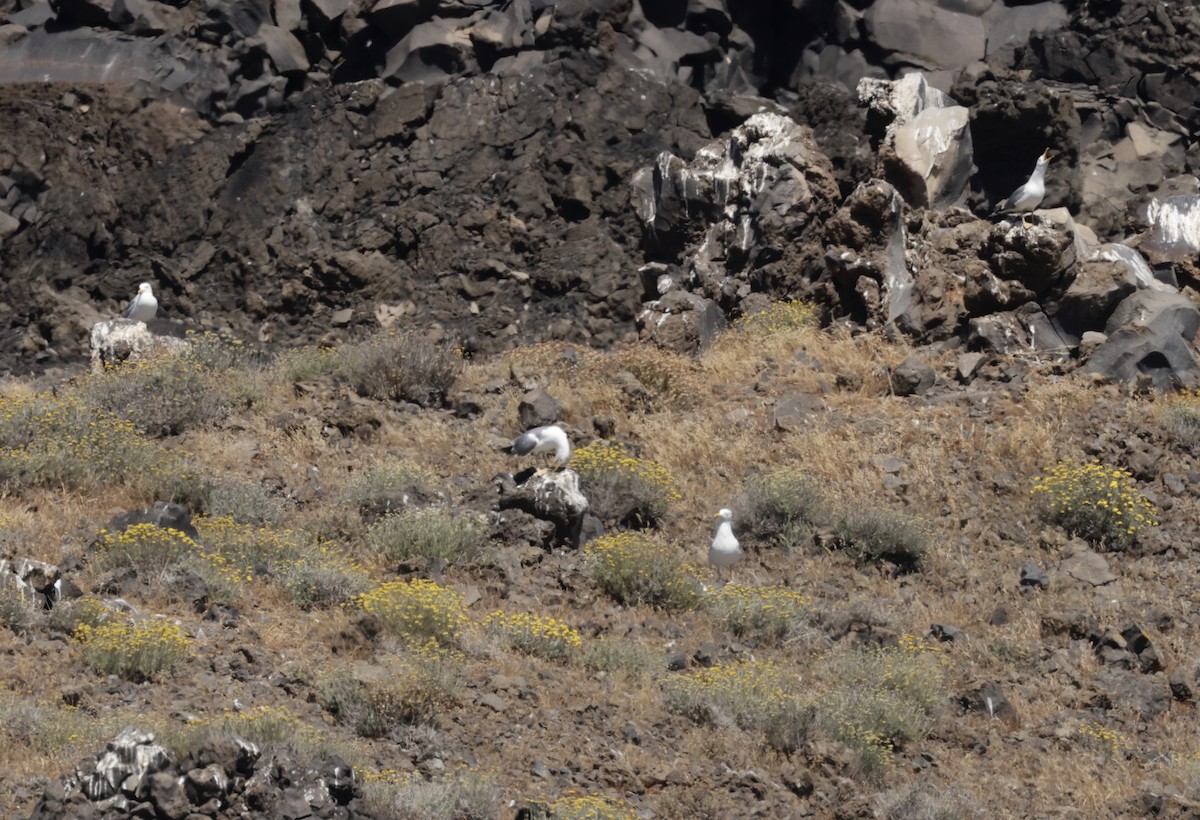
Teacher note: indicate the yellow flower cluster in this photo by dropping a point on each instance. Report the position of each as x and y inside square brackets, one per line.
[591, 807]
[134, 651]
[766, 613]
[756, 694]
[635, 569]
[1108, 740]
[145, 546]
[609, 461]
[61, 440]
[778, 317]
[1099, 504]
[419, 609]
[532, 634]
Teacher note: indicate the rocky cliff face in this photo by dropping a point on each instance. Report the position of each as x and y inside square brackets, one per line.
[502, 173]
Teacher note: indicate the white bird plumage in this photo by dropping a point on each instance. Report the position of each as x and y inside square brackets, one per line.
[549, 439]
[143, 306]
[725, 550]
[1030, 195]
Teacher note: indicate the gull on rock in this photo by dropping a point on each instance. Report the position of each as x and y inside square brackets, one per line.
[143, 306]
[550, 439]
[725, 550]
[1030, 195]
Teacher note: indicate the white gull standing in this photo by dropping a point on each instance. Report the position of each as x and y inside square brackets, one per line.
[1030, 195]
[143, 306]
[725, 550]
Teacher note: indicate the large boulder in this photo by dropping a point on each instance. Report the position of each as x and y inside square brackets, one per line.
[739, 204]
[118, 340]
[926, 149]
[1150, 336]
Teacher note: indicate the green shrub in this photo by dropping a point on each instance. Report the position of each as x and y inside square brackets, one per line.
[783, 508]
[161, 396]
[384, 487]
[872, 535]
[246, 502]
[20, 609]
[148, 549]
[623, 656]
[308, 363]
[142, 651]
[883, 699]
[271, 728]
[917, 801]
[402, 367]
[635, 569]
[417, 611]
[623, 489]
[314, 574]
[756, 695]
[414, 688]
[427, 533]
[463, 795]
[767, 614]
[538, 635]
[60, 441]
[1100, 504]
[1181, 419]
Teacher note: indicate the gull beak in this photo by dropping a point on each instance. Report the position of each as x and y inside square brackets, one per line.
[1046, 155]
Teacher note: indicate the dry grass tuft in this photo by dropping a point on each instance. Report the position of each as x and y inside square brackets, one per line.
[400, 367]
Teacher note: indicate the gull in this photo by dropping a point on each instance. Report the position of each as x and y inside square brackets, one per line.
[143, 305]
[1030, 195]
[725, 550]
[550, 439]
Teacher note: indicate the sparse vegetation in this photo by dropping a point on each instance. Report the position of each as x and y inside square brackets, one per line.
[417, 611]
[160, 396]
[621, 656]
[468, 794]
[58, 440]
[783, 508]
[764, 614]
[401, 367]
[756, 695]
[417, 685]
[870, 535]
[622, 488]
[882, 699]
[427, 533]
[538, 635]
[333, 641]
[591, 807]
[1100, 504]
[635, 569]
[1180, 419]
[140, 651]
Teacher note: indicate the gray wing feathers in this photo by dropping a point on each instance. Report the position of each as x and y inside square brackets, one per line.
[524, 444]
[132, 306]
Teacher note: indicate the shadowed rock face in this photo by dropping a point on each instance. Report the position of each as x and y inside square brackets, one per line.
[303, 172]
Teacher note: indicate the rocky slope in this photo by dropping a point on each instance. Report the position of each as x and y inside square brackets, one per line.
[306, 171]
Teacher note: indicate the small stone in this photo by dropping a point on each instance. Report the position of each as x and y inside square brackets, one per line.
[1089, 568]
[341, 318]
[913, 377]
[1034, 576]
[493, 702]
[540, 769]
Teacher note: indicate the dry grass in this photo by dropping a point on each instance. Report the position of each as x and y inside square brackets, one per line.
[967, 462]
